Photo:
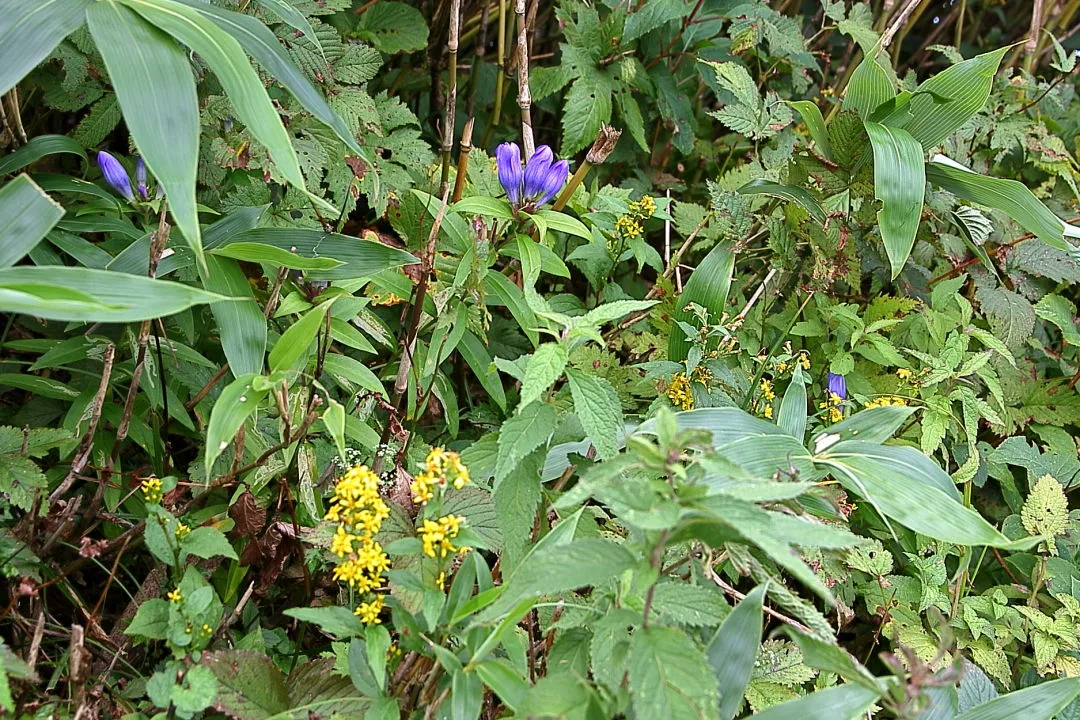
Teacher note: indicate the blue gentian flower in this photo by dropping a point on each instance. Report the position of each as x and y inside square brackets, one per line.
[508, 161]
[837, 385]
[115, 174]
[541, 180]
[140, 179]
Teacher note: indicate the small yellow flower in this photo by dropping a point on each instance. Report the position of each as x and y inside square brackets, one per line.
[423, 488]
[151, 489]
[643, 208]
[767, 390]
[440, 582]
[626, 226]
[804, 360]
[207, 629]
[182, 531]
[832, 406]
[368, 612]
[678, 391]
[767, 412]
[436, 535]
[903, 374]
[175, 596]
[885, 401]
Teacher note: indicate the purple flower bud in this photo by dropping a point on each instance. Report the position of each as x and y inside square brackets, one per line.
[553, 181]
[115, 174]
[140, 179]
[536, 170]
[508, 161]
[837, 385]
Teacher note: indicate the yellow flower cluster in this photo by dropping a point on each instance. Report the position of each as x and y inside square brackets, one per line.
[435, 535]
[182, 531]
[442, 467]
[678, 391]
[643, 208]
[832, 407]
[175, 596]
[151, 490]
[369, 611]
[359, 511]
[908, 378]
[886, 401]
[627, 226]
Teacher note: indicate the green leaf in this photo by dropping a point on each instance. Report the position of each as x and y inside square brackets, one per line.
[156, 90]
[1010, 314]
[1039, 702]
[277, 257]
[906, 486]
[522, 434]
[261, 44]
[899, 183]
[1009, 196]
[352, 374]
[241, 323]
[393, 27]
[504, 681]
[545, 366]
[564, 223]
[732, 650]
[598, 407]
[483, 205]
[790, 193]
[295, 343]
[30, 30]
[587, 106]
[466, 695]
[237, 401]
[669, 677]
[362, 257]
[708, 287]
[651, 15]
[37, 148]
[207, 542]
[815, 124]
[151, 620]
[85, 295]
[241, 83]
[870, 85]
[250, 686]
[792, 416]
[26, 215]
[693, 605]
[1062, 313]
[845, 702]
[333, 619]
[294, 18]
[965, 87]
[479, 361]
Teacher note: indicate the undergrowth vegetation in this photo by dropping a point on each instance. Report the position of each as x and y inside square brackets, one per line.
[539, 359]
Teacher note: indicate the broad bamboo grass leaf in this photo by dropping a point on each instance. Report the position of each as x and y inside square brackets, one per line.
[30, 30]
[241, 83]
[845, 702]
[965, 86]
[294, 19]
[815, 124]
[733, 649]
[789, 193]
[86, 295]
[241, 323]
[792, 416]
[360, 256]
[708, 287]
[156, 90]
[26, 215]
[900, 185]
[40, 147]
[294, 345]
[262, 45]
[238, 400]
[870, 86]
[1039, 702]
[1009, 196]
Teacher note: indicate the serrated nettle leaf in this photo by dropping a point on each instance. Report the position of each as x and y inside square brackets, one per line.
[545, 366]
[598, 407]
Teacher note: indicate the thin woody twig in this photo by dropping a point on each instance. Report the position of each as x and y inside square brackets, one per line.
[87, 445]
[450, 108]
[524, 96]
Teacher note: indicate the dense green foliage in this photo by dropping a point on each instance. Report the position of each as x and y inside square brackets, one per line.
[312, 407]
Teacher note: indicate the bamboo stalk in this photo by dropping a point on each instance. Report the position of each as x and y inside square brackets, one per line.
[463, 160]
[500, 75]
[524, 98]
[450, 109]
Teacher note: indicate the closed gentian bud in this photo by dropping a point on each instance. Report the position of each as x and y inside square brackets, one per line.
[140, 179]
[554, 180]
[115, 174]
[837, 385]
[508, 162]
[536, 170]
